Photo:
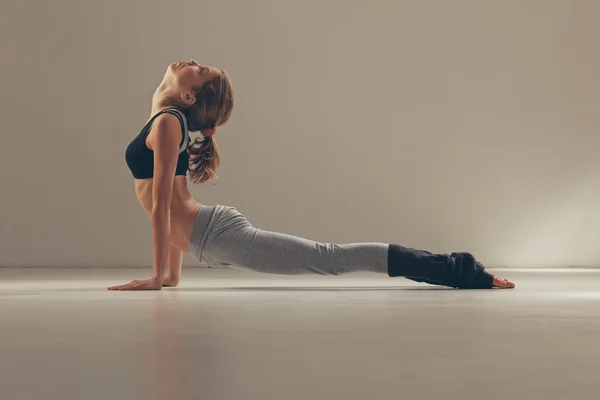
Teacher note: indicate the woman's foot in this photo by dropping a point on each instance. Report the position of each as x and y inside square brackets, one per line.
[503, 283]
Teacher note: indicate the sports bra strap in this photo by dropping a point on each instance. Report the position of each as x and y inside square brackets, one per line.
[184, 125]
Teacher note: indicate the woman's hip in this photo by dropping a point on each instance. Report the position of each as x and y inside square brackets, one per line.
[214, 224]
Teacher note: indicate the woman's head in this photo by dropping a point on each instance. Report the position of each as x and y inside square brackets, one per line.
[206, 96]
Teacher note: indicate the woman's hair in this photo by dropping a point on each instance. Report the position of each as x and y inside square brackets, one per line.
[214, 102]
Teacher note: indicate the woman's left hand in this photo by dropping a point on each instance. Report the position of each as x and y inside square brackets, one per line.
[147, 284]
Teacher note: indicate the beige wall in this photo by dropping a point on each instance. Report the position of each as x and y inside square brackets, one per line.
[445, 125]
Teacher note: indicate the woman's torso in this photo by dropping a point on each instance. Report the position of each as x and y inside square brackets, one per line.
[184, 209]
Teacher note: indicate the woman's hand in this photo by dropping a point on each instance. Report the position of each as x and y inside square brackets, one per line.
[147, 284]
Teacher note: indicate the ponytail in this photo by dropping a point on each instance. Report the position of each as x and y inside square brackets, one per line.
[204, 159]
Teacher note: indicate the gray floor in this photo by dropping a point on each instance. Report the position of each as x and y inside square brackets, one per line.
[227, 334]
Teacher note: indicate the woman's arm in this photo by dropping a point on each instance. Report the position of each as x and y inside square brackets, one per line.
[164, 140]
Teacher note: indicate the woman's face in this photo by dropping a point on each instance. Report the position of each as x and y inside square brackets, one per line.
[188, 75]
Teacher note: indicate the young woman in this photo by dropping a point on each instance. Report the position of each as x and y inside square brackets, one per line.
[193, 97]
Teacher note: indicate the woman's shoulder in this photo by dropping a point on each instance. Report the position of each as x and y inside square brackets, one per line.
[166, 127]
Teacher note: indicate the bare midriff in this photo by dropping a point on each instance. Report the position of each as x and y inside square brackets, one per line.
[184, 209]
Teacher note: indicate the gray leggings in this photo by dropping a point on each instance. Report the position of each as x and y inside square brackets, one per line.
[224, 237]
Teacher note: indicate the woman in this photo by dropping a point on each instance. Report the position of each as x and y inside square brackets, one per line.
[192, 97]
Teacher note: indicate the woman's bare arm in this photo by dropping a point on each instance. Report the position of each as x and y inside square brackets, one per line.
[164, 140]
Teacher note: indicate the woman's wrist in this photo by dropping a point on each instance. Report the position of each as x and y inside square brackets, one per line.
[171, 281]
[158, 279]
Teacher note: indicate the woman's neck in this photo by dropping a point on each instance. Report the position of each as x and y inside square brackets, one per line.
[162, 99]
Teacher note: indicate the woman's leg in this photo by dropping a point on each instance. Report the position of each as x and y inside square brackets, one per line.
[258, 250]
[232, 241]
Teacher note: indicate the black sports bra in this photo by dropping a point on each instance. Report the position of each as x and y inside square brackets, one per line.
[140, 158]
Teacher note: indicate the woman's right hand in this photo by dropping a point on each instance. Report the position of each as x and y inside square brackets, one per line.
[170, 281]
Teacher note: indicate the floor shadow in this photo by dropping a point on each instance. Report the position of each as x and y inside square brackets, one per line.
[307, 288]
[29, 292]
